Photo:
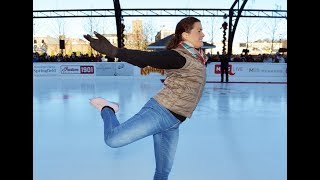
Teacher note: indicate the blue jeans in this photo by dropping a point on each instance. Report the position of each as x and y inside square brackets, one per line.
[152, 119]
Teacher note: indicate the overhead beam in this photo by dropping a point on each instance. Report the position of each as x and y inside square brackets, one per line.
[80, 13]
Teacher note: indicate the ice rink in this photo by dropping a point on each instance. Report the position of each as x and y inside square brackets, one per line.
[237, 132]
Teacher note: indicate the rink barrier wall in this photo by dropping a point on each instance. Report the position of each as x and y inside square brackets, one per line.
[238, 71]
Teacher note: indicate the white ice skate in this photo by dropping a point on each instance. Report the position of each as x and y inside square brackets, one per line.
[99, 103]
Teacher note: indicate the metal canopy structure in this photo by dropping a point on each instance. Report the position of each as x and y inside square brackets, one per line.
[119, 19]
[81, 13]
[119, 13]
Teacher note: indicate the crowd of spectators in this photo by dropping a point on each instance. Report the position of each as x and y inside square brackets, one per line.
[266, 58]
[66, 58]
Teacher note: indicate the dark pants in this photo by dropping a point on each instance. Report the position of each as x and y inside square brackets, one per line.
[224, 70]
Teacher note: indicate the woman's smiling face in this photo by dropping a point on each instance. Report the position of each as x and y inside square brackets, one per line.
[195, 36]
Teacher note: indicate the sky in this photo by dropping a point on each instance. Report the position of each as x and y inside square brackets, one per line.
[248, 29]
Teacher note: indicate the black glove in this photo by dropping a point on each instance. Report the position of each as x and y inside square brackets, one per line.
[102, 45]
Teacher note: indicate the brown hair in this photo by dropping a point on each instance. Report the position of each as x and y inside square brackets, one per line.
[185, 25]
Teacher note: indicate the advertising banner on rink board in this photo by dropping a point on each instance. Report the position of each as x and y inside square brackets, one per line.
[249, 69]
[45, 69]
[123, 69]
[62, 69]
[105, 69]
[114, 69]
[76, 69]
[85, 69]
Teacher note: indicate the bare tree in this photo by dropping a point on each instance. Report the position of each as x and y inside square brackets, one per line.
[35, 29]
[251, 30]
[248, 27]
[57, 26]
[61, 25]
[244, 31]
[137, 33]
[212, 29]
[108, 25]
[272, 28]
[91, 25]
[148, 32]
[136, 39]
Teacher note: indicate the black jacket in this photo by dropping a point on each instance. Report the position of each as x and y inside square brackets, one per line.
[224, 61]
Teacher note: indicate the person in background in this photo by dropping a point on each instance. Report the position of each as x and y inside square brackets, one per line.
[280, 58]
[184, 65]
[110, 59]
[224, 65]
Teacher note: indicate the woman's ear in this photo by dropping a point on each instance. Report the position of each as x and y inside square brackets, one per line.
[185, 36]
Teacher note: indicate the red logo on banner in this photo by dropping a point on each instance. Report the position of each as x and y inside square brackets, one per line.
[217, 69]
[86, 69]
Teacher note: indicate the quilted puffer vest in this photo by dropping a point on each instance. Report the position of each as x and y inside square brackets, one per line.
[183, 87]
